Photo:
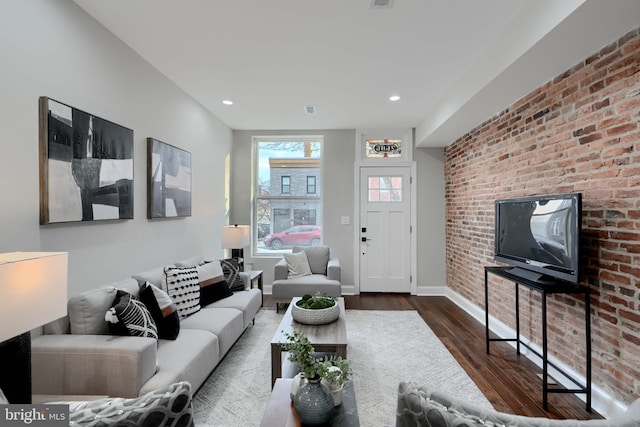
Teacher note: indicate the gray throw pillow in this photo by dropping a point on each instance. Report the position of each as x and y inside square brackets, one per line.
[168, 406]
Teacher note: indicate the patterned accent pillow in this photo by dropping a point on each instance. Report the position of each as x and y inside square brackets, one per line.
[232, 274]
[167, 406]
[162, 309]
[184, 289]
[213, 286]
[129, 316]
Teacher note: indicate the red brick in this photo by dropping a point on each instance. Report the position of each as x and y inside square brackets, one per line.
[577, 132]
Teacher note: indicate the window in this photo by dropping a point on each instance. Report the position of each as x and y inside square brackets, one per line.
[384, 189]
[288, 194]
[311, 185]
[285, 184]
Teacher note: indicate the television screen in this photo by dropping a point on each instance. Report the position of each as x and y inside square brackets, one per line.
[540, 236]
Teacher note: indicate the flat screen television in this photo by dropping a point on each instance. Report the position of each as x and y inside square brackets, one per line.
[540, 236]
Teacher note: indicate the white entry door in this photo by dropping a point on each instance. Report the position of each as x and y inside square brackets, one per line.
[385, 229]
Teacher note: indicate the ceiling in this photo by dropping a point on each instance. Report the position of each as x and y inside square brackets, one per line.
[455, 63]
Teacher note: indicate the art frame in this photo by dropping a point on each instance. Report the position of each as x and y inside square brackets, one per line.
[86, 166]
[168, 180]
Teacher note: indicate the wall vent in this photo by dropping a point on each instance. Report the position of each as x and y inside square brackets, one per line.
[381, 4]
[310, 109]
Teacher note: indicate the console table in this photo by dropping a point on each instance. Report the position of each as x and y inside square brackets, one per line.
[545, 287]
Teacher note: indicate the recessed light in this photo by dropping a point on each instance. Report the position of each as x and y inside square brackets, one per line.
[227, 102]
[394, 98]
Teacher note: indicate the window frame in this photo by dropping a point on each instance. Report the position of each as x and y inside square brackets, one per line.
[258, 197]
[283, 185]
[315, 184]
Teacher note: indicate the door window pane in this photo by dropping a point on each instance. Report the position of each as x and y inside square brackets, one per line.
[385, 189]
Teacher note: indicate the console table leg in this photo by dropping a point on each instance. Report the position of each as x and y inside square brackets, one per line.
[545, 370]
[486, 310]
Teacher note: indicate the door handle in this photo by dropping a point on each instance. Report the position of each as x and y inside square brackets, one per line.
[364, 239]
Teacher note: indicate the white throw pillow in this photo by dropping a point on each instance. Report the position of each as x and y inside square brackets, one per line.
[298, 265]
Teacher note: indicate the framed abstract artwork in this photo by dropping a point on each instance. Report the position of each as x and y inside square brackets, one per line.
[86, 166]
[168, 181]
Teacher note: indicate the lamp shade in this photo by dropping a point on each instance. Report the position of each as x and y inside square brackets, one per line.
[235, 236]
[34, 290]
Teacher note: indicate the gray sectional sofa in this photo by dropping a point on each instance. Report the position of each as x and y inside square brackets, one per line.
[79, 355]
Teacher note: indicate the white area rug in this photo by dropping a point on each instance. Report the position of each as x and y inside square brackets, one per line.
[385, 347]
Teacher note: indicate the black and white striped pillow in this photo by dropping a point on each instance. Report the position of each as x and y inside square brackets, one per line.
[129, 316]
[183, 287]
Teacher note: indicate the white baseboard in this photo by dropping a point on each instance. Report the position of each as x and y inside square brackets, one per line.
[601, 401]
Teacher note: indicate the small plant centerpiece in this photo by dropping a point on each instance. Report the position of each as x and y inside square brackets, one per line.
[335, 375]
[315, 310]
[312, 399]
[333, 372]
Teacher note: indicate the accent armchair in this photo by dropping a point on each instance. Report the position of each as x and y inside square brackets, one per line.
[323, 276]
[422, 406]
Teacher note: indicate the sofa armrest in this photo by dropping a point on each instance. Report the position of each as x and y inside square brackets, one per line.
[281, 270]
[92, 364]
[333, 269]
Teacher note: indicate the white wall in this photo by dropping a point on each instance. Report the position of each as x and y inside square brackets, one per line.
[338, 158]
[339, 200]
[52, 48]
[431, 221]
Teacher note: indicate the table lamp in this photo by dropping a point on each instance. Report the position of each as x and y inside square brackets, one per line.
[236, 237]
[34, 292]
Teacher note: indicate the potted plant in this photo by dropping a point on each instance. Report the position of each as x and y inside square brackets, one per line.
[312, 400]
[333, 371]
[315, 310]
[335, 375]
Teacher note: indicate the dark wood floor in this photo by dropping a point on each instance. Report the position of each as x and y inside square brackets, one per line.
[509, 382]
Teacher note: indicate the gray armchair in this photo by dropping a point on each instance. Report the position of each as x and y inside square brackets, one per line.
[325, 277]
[421, 406]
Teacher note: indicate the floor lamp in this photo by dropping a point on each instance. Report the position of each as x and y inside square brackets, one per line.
[34, 292]
[236, 237]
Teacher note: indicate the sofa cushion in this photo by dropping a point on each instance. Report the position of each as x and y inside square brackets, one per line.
[162, 309]
[129, 316]
[213, 286]
[227, 324]
[248, 301]
[86, 310]
[297, 264]
[167, 406]
[184, 289]
[317, 256]
[231, 273]
[155, 276]
[193, 261]
[191, 357]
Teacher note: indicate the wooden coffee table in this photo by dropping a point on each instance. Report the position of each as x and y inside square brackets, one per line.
[329, 338]
[281, 413]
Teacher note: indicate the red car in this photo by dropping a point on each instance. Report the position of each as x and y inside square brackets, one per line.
[301, 235]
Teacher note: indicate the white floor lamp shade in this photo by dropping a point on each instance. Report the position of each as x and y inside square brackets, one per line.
[34, 292]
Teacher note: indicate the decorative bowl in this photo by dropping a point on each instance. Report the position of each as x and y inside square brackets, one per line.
[315, 316]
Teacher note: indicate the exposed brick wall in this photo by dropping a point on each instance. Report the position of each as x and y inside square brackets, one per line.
[579, 132]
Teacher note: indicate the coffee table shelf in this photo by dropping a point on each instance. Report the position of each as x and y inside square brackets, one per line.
[329, 338]
[281, 413]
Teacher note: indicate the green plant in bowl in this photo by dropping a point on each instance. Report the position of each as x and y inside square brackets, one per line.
[316, 302]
